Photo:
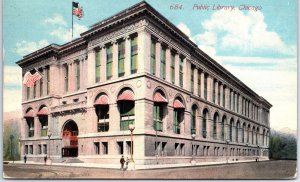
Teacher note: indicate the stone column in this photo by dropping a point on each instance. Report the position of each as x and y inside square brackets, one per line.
[115, 60]
[185, 127]
[71, 79]
[157, 58]
[81, 73]
[235, 103]
[103, 64]
[92, 121]
[114, 117]
[144, 45]
[227, 94]
[209, 88]
[54, 79]
[90, 67]
[221, 94]
[168, 64]
[202, 84]
[140, 110]
[198, 126]
[219, 129]
[170, 121]
[209, 127]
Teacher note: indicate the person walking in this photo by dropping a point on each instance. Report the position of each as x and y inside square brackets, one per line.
[122, 161]
[25, 159]
[127, 160]
[45, 159]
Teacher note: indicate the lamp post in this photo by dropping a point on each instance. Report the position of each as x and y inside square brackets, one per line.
[193, 162]
[227, 142]
[11, 147]
[131, 164]
[49, 135]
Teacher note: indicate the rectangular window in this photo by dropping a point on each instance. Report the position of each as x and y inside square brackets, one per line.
[97, 148]
[176, 127]
[181, 73]
[45, 149]
[234, 101]
[177, 149]
[214, 91]
[30, 149]
[66, 78]
[48, 80]
[230, 96]
[219, 94]
[164, 150]
[163, 62]
[27, 93]
[109, 62]
[192, 78]
[127, 114]
[41, 82]
[158, 116]
[129, 148]
[26, 149]
[153, 57]
[102, 112]
[77, 71]
[199, 83]
[39, 149]
[173, 67]
[121, 58]
[223, 97]
[134, 54]
[120, 148]
[238, 104]
[97, 65]
[205, 86]
[182, 149]
[34, 90]
[105, 148]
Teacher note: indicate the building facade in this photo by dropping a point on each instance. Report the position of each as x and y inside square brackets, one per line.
[138, 68]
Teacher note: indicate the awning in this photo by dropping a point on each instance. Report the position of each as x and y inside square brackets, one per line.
[126, 95]
[159, 98]
[102, 100]
[178, 104]
[29, 114]
[43, 111]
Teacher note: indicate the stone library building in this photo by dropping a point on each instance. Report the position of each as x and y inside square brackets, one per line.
[134, 83]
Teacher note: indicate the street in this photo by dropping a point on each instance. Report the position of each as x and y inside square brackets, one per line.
[283, 169]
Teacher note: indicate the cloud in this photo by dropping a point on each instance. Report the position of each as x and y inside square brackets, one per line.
[57, 19]
[12, 99]
[183, 27]
[65, 34]
[243, 32]
[25, 47]
[273, 81]
[12, 76]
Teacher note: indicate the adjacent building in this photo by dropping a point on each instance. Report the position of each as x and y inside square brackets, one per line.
[137, 68]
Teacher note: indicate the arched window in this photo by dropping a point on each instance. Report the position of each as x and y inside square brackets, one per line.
[216, 120]
[231, 130]
[126, 107]
[30, 122]
[102, 112]
[193, 119]
[43, 117]
[257, 132]
[223, 128]
[204, 120]
[178, 115]
[263, 137]
[159, 106]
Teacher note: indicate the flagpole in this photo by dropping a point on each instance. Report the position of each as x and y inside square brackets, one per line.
[72, 19]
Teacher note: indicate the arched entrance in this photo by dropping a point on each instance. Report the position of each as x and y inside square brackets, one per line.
[69, 138]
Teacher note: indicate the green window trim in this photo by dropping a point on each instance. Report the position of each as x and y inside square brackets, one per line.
[214, 92]
[153, 57]
[199, 83]
[121, 58]
[204, 125]
[27, 93]
[97, 66]
[109, 62]
[219, 94]
[224, 89]
[193, 121]
[173, 67]
[77, 72]
[134, 54]
[157, 117]
[48, 80]
[181, 73]
[163, 63]
[192, 79]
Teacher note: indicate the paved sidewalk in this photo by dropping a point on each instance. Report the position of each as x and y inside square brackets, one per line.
[138, 167]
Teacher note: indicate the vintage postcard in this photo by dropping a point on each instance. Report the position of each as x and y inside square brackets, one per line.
[130, 89]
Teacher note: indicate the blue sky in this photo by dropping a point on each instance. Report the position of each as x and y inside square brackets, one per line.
[259, 47]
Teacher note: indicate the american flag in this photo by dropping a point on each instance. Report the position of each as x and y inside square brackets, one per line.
[77, 10]
[29, 78]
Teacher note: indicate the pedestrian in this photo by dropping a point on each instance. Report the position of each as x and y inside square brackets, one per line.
[127, 160]
[25, 158]
[45, 159]
[122, 161]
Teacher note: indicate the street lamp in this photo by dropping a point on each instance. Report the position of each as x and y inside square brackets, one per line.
[49, 135]
[227, 142]
[131, 164]
[11, 147]
[193, 162]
